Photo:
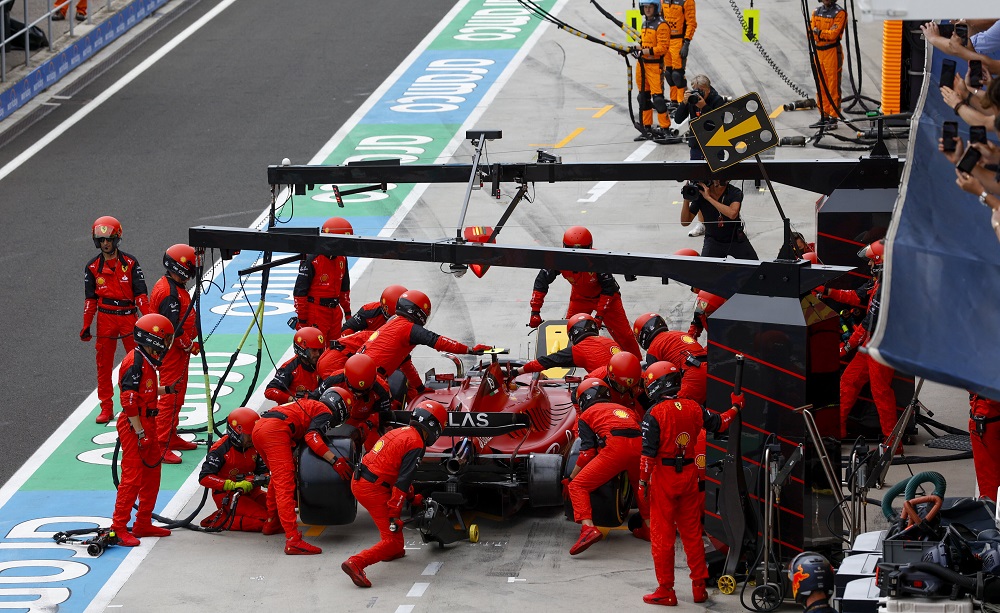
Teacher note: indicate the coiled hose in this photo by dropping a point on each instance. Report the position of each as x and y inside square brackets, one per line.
[909, 488]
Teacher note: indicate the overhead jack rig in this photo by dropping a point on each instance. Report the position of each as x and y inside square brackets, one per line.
[790, 338]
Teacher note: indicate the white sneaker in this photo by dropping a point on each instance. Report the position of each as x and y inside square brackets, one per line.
[697, 230]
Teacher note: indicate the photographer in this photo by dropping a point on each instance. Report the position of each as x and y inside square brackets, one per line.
[698, 100]
[719, 203]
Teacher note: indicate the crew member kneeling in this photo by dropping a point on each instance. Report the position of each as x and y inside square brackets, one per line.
[383, 483]
[229, 471]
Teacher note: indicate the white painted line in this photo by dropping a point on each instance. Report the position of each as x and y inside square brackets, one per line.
[513, 579]
[432, 568]
[417, 590]
[405, 608]
[111, 91]
[602, 187]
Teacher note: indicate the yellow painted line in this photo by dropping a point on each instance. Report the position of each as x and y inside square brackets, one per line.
[315, 530]
[600, 111]
[566, 140]
[776, 112]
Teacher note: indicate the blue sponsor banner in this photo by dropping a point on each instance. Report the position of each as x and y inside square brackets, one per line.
[56, 67]
[939, 318]
[442, 87]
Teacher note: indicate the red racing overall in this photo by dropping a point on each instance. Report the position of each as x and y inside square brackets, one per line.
[334, 358]
[228, 462]
[322, 289]
[689, 356]
[862, 368]
[368, 411]
[369, 317]
[140, 479]
[610, 442]
[172, 300]
[590, 354]
[670, 433]
[292, 380]
[390, 347]
[984, 432]
[113, 290]
[591, 292]
[278, 430]
[388, 468]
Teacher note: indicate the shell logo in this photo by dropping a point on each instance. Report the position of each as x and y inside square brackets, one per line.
[100, 281]
[156, 328]
[687, 339]
[373, 336]
[426, 306]
[378, 446]
[683, 439]
[348, 402]
[699, 460]
[678, 406]
[621, 414]
[149, 384]
[232, 423]
[323, 278]
[615, 349]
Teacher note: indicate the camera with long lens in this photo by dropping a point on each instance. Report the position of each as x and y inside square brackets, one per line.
[694, 96]
[690, 191]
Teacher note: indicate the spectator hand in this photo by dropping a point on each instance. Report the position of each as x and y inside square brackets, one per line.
[952, 156]
[85, 334]
[990, 152]
[737, 399]
[536, 319]
[951, 97]
[968, 183]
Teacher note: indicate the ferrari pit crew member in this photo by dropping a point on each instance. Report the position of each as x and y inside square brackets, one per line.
[649, 71]
[623, 375]
[592, 292]
[812, 578]
[610, 442]
[862, 368]
[828, 22]
[170, 298]
[372, 401]
[138, 391]
[665, 345]
[113, 289]
[704, 305]
[334, 358]
[383, 483]
[374, 314]
[298, 376]
[984, 433]
[390, 345]
[231, 471]
[680, 17]
[669, 478]
[587, 348]
[280, 429]
[322, 292]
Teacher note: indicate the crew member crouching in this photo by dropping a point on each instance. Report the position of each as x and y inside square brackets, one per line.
[232, 470]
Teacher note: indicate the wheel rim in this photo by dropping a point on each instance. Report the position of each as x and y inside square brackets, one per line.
[727, 584]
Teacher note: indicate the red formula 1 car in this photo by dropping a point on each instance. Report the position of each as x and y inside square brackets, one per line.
[508, 441]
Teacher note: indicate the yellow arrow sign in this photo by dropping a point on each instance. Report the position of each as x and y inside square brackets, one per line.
[724, 137]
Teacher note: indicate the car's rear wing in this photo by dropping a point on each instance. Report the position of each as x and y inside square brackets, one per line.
[474, 424]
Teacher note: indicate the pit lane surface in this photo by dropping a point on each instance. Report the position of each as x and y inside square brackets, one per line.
[200, 160]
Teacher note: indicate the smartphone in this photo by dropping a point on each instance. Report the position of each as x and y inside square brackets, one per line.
[977, 134]
[962, 32]
[946, 29]
[949, 135]
[947, 74]
[969, 160]
[975, 74]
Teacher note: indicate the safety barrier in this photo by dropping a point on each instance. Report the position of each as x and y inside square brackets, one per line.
[53, 68]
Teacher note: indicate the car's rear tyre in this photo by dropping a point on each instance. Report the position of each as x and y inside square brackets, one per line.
[610, 504]
[324, 498]
[545, 479]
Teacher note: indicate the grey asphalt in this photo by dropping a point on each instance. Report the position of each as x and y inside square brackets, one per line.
[187, 143]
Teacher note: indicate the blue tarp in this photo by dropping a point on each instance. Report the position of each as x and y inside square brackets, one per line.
[941, 313]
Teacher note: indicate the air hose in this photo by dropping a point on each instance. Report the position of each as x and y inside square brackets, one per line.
[909, 487]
